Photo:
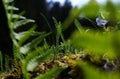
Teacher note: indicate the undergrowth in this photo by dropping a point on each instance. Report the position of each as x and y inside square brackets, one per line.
[73, 56]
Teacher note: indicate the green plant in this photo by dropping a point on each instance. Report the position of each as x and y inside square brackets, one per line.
[31, 49]
[103, 43]
[17, 21]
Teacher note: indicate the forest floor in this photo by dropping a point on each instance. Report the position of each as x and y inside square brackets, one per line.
[70, 63]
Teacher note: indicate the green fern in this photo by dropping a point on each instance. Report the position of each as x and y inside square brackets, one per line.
[39, 54]
[26, 36]
[97, 42]
[34, 43]
[22, 22]
[8, 1]
[17, 21]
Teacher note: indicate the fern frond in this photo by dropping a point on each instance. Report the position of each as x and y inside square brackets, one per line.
[33, 44]
[26, 36]
[12, 8]
[8, 1]
[30, 56]
[22, 22]
[36, 53]
[16, 16]
[38, 40]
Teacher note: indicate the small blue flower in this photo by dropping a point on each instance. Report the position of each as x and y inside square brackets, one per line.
[101, 22]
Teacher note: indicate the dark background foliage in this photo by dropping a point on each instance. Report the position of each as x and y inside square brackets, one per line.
[42, 12]
[36, 9]
[6, 44]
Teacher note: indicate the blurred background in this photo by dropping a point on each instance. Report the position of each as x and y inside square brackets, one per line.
[43, 11]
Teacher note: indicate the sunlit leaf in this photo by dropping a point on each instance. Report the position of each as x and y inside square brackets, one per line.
[100, 43]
